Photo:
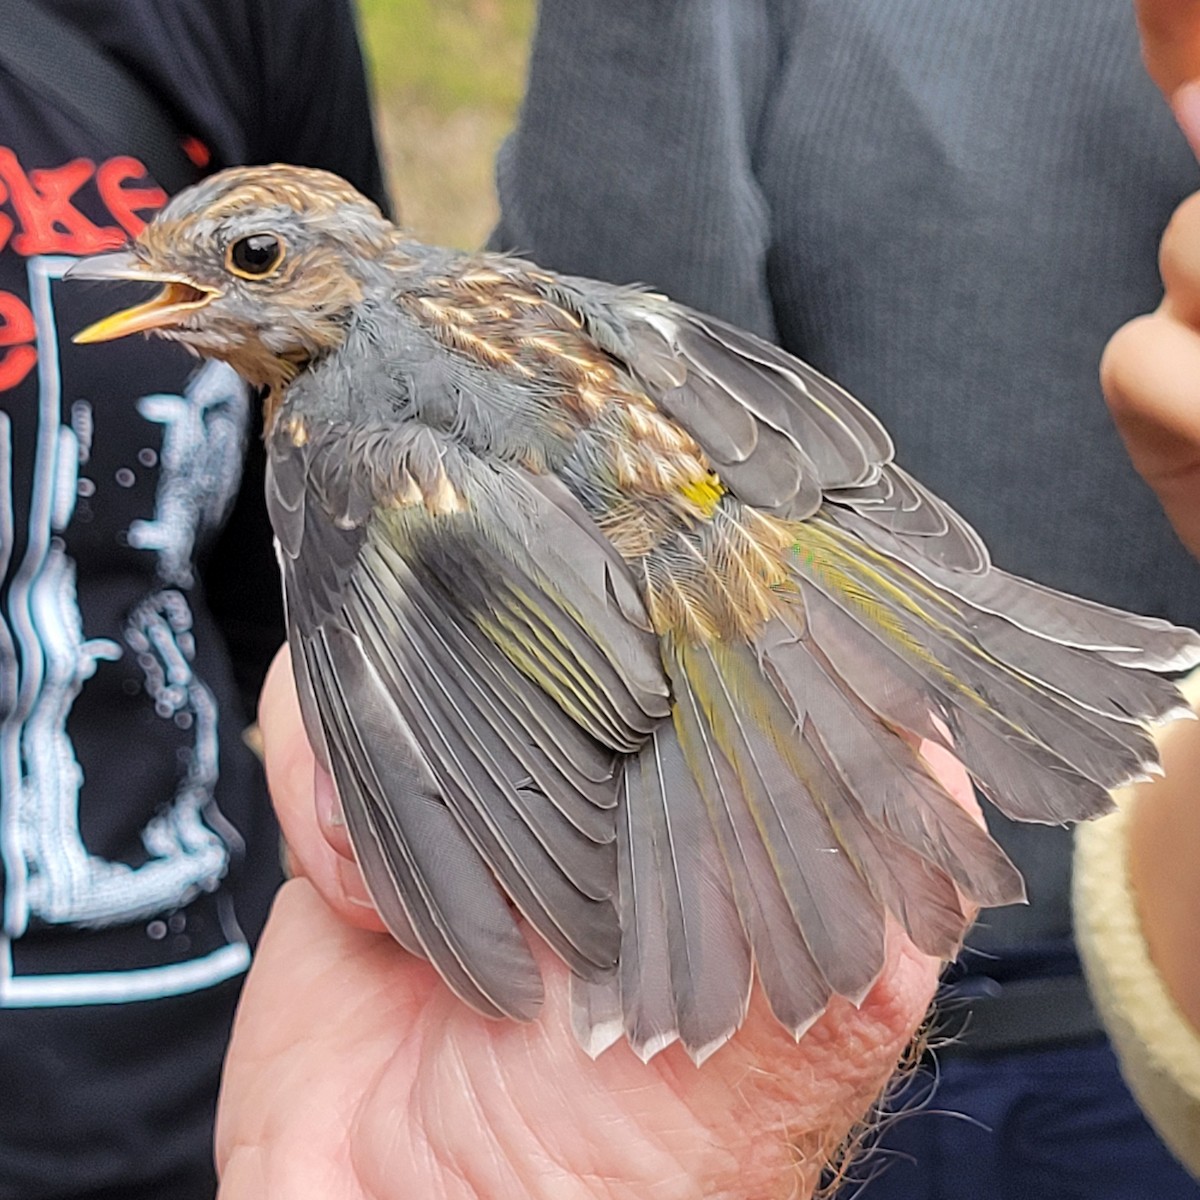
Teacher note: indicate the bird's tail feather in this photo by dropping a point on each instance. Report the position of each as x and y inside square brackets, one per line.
[684, 969]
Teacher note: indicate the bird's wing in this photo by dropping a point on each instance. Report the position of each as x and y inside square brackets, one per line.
[888, 615]
[781, 435]
[470, 654]
[516, 680]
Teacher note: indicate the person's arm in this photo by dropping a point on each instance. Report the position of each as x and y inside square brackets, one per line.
[1137, 900]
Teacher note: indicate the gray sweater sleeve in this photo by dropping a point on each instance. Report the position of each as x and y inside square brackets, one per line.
[637, 116]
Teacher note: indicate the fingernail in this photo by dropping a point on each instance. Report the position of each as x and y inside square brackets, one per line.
[1185, 104]
[330, 818]
[252, 736]
[328, 807]
[353, 887]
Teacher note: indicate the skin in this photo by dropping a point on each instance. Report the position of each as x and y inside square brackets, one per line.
[1150, 375]
[355, 1075]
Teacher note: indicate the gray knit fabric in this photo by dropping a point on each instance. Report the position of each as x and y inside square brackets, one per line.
[948, 205]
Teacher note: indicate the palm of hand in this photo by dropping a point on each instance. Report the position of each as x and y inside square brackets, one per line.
[355, 1074]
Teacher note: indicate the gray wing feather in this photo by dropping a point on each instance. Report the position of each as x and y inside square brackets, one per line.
[936, 640]
[1125, 639]
[780, 435]
[884, 773]
[450, 899]
[919, 894]
[913, 517]
[644, 972]
[563, 762]
[907, 884]
[1019, 774]
[858, 425]
[559, 878]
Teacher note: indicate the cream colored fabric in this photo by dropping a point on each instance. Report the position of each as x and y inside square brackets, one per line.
[1159, 1050]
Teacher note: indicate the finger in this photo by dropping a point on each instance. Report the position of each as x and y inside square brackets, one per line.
[1151, 378]
[305, 801]
[1179, 263]
[1170, 41]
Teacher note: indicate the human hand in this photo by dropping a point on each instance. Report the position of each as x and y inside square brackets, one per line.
[355, 1073]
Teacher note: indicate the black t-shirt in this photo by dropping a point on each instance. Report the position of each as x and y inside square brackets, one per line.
[137, 851]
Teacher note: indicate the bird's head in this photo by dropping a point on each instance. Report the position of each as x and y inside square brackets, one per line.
[259, 266]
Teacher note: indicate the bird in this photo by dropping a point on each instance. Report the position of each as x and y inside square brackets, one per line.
[618, 623]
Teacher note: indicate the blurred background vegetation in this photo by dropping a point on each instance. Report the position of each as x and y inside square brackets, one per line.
[448, 76]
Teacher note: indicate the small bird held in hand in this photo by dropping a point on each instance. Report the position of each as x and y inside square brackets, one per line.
[611, 610]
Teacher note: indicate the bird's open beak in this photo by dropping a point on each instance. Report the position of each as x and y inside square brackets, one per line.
[178, 298]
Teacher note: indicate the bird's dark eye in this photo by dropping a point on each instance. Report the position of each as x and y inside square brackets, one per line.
[255, 256]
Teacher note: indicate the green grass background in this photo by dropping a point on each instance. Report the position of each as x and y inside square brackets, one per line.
[447, 76]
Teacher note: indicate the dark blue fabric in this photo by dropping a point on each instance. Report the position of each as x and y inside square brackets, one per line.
[1054, 1124]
